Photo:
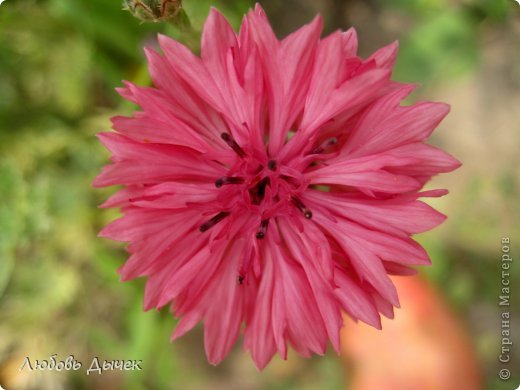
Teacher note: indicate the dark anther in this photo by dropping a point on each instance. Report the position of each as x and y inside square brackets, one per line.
[228, 180]
[228, 138]
[299, 204]
[240, 279]
[257, 193]
[271, 165]
[213, 221]
[263, 229]
[324, 146]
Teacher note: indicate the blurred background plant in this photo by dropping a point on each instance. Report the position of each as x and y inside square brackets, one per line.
[60, 61]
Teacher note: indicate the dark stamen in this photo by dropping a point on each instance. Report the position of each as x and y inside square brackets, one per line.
[263, 229]
[228, 180]
[213, 221]
[240, 279]
[324, 146]
[257, 193]
[271, 165]
[299, 204]
[228, 138]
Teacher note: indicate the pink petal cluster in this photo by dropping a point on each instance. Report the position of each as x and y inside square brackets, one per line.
[270, 185]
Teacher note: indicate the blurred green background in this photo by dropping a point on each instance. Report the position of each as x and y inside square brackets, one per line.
[60, 61]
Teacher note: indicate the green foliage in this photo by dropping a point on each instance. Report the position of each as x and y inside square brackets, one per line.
[444, 39]
[442, 47]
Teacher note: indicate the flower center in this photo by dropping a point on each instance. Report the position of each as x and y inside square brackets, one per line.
[259, 185]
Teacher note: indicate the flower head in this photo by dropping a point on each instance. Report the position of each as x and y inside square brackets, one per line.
[270, 185]
[154, 10]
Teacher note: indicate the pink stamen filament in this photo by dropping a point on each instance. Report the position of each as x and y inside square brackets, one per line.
[300, 206]
[228, 180]
[213, 221]
[228, 138]
[263, 229]
[324, 146]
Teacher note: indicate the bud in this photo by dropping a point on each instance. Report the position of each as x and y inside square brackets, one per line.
[156, 10]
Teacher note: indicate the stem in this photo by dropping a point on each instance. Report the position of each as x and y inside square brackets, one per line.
[190, 35]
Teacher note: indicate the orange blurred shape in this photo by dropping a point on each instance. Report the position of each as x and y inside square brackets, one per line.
[424, 348]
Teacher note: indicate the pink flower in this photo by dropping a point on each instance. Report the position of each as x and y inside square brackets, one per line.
[270, 184]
